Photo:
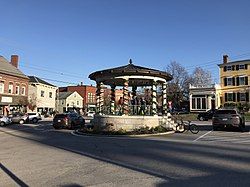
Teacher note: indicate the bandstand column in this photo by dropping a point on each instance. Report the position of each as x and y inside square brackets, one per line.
[164, 98]
[112, 102]
[134, 104]
[98, 98]
[125, 98]
[101, 98]
[154, 102]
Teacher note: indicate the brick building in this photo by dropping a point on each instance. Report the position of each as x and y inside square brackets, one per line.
[87, 92]
[13, 86]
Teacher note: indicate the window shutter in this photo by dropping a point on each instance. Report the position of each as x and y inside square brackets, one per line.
[246, 80]
[237, 81]
[234, 99]
[225, 68]
[238, 96]
[237, 67]
[225, 97]
[225, 81]
[233, 81]
[245, 66]
[247, 96]
[233, 67]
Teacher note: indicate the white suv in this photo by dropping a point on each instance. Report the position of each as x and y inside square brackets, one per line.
[34, 117]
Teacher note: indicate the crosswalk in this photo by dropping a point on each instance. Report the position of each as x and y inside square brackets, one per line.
[226, 137]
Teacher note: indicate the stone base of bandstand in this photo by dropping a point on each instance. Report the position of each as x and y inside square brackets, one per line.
[129, 123]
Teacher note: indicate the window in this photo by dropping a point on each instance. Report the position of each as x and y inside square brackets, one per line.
[23, 90]
[242, 96]
[1, 87]
[229, 81]
[42, 93]
[229, 68]
[242, 66]
[91, 97]
[229, 96]
[10, 88]
[199, 102]
[241, 80]
[193, 103]
[17, 90]
[50, 94]
[77, 103]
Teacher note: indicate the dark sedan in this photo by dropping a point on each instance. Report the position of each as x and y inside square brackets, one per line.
[68, 120]
[204, 116]
[228, 118]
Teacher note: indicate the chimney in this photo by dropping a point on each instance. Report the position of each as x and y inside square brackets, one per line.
[14, 60]
[225, 59]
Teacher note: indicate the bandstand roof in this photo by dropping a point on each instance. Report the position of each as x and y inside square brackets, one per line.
[137, 75]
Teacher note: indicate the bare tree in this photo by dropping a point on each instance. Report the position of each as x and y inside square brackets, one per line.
[178, 87]
[32, 102]
[201, 77]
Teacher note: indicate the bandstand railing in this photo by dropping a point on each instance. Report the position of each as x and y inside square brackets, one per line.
[143, 110]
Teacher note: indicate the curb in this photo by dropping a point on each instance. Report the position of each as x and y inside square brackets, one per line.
[76, 132]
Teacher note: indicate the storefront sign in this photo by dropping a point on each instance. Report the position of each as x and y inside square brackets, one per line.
[6, 99]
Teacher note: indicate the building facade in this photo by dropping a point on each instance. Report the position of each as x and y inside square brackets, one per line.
[69, 101]
[13, 86]
[235, 83]
[42, 96]
[204, 98]
[87, 93]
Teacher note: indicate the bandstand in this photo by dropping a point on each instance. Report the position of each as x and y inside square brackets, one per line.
[134, 77]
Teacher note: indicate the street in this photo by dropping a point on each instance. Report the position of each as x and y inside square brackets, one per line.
[38, 155]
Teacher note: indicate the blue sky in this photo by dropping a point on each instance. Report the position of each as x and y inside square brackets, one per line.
[66, 40]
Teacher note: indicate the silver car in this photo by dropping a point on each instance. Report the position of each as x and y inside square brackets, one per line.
[4, 120]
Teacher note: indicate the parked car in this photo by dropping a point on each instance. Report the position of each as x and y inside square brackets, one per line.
[91, 113]
[4, 120]
[68, 120]
[180, 111]
[228, 118]
[34, 117]
[19, 118]
[204, 116]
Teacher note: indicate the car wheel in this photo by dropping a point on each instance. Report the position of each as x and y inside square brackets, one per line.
[35, 120]
[2, 123]
[21, 121]
[201, 118]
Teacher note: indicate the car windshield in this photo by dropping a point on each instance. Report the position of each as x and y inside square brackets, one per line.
[226, 112]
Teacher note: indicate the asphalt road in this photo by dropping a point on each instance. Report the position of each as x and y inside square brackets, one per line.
[38, 155]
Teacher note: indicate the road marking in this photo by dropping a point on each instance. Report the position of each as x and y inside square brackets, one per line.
[202, 136]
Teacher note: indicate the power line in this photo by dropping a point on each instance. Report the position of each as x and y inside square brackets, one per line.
[49, 71]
